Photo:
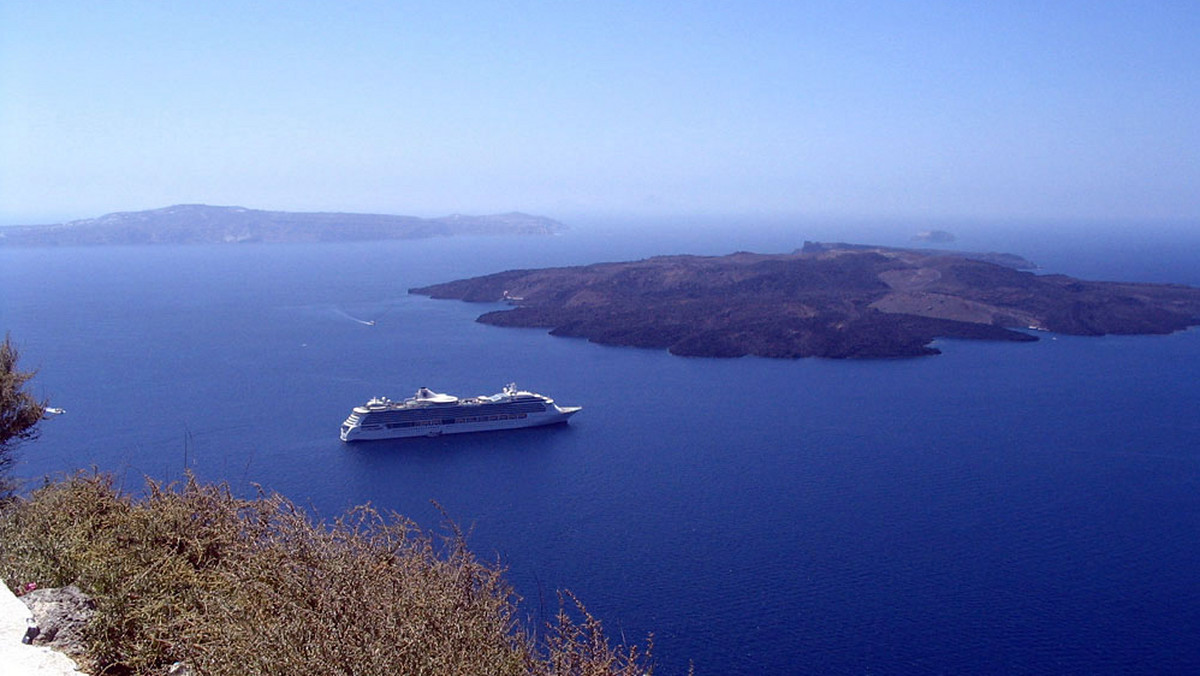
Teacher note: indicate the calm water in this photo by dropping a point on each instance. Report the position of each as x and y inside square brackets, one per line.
[1001, 508]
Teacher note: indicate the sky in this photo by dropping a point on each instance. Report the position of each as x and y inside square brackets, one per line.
[1054, 110]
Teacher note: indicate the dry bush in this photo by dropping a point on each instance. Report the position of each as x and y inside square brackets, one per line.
[233, 586]
[580, 648]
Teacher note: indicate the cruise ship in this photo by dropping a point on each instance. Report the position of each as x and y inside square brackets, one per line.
[430, 414]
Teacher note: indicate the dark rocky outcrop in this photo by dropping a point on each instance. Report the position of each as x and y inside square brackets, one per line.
[825, 300]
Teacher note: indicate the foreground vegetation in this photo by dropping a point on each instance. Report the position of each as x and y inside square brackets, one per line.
[20, 412]
[190, 573]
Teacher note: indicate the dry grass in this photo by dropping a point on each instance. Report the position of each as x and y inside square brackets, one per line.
[234, 586]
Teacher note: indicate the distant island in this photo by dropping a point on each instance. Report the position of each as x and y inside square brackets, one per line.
[203, 224]
[824, 300]
[935, 236]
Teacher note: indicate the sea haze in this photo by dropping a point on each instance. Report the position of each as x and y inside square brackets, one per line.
[1000, 508]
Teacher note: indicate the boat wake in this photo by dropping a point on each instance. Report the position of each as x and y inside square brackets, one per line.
[347, 315]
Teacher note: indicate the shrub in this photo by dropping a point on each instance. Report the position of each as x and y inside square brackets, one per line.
[229, 585]
[20, 412]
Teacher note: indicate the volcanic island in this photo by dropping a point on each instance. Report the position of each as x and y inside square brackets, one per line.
[823, 300]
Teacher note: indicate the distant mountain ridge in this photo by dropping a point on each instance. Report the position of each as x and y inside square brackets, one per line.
[204, 224]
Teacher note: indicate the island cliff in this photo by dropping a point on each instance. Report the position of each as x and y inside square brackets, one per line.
[825, 300]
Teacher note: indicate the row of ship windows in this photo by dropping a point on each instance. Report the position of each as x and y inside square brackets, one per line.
[452, 421]
[382, 418]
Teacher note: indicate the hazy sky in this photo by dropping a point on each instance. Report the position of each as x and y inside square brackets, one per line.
[958, 109]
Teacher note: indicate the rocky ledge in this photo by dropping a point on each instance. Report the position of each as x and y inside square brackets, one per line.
[825, 300]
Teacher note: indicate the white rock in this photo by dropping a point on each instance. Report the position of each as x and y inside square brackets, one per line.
[18, 659]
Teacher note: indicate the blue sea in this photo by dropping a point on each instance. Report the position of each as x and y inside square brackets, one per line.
[1000, 508]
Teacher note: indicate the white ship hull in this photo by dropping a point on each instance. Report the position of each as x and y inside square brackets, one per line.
[531, 420]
